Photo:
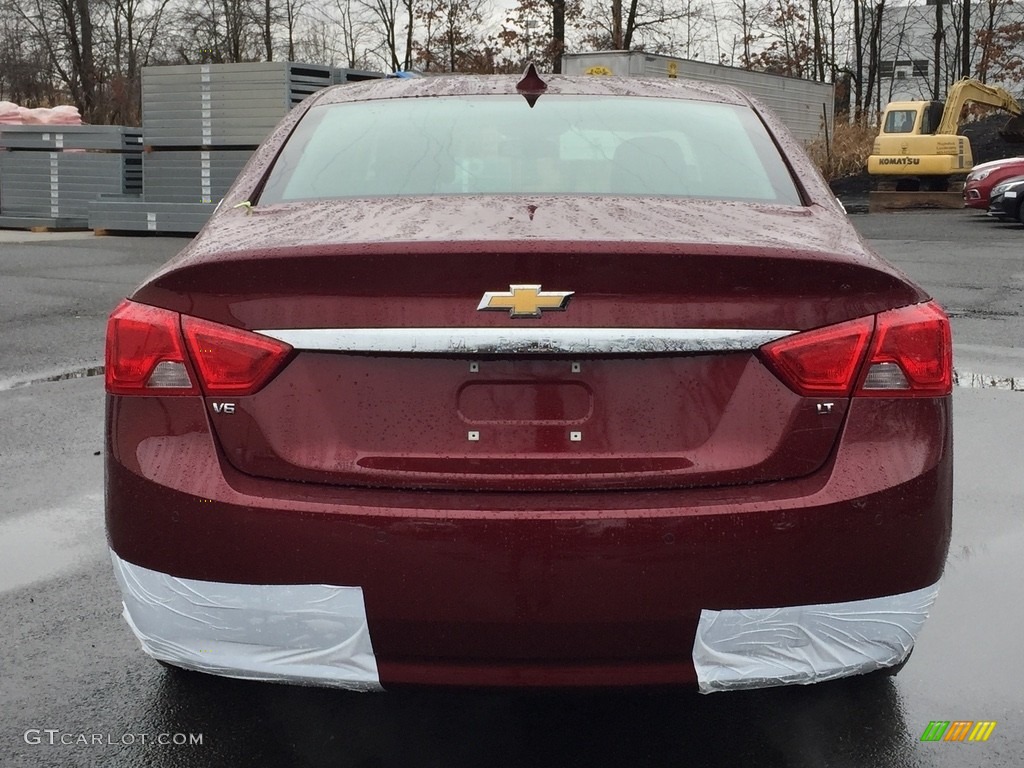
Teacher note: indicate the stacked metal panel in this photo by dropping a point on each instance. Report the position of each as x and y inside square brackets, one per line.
[192, 176]
[135, 214]
[201, 124]
[50, 174]
[217, 105]
[354, 75]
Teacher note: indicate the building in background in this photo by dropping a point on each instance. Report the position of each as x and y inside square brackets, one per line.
[907, 59]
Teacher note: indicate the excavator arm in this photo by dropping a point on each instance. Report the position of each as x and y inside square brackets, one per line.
[967, 90]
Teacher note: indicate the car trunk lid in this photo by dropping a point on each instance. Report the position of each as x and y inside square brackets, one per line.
[648, 378]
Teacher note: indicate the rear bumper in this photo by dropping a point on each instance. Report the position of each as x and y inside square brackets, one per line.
[317, 634]
[535, 589]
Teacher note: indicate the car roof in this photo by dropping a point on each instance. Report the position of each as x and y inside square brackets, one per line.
[997, 163]
[496, 85]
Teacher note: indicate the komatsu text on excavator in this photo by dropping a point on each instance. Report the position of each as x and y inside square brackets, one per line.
[918, 140]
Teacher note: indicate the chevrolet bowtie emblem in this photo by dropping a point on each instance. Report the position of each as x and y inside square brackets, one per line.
[525, 300]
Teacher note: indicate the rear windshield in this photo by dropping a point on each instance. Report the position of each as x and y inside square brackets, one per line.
[498, 145]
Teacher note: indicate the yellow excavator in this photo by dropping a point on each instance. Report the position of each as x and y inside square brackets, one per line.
[918, 140]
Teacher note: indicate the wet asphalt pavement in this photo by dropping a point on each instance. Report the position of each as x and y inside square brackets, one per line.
[71, 672]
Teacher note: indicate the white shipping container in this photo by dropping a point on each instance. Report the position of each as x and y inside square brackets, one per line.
[803, 105]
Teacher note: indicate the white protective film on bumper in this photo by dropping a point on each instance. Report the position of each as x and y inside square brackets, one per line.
[312, 634]
[765, 647]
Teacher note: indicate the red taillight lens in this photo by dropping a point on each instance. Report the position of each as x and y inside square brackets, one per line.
[911, 354]
[232, 361]
[145, 354]
[824, 361]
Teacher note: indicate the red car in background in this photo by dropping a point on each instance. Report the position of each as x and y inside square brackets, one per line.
[985, 176]
[478, 382]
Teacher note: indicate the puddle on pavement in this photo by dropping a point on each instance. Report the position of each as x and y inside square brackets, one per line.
[43, 544]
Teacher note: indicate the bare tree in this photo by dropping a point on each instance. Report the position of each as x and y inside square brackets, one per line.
[64, 30]
[874, 56]
[131, 34]
[288, 16]
[819, 52]
[26, 72]
[857, 72]
[834, 21]
[939, 36]
[385, 17]
[986, 36]
[652, 25]
[217, 31]
[895, 39]
[535, 30]
[694, 22]
[719, 56]
[337, 35]
[748, 15]
[354, 29]
[266, 15]
[788, 49]
[451, 34]
[998, 41]
[865, 73]
[965, 39]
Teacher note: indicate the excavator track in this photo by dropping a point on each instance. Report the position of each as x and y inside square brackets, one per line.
[909, 194]
[883, 202]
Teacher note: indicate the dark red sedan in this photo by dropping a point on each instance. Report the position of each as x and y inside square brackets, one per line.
[483, 381]
[983, 178]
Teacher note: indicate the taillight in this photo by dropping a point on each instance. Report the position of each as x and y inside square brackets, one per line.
[911, 354]
[146, 355]
[902, 352]
[232, 361]
[824, 361]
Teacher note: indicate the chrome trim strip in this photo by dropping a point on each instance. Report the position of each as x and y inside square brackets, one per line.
[554, 341]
